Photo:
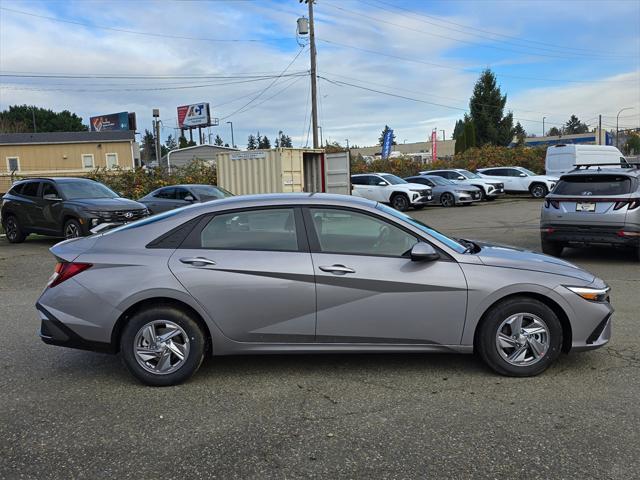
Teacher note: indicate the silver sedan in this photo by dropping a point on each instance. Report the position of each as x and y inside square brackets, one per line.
[446, 192]
[316, 273]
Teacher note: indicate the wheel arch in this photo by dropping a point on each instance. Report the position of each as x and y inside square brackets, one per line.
[567, 334]
[157, 301]
[536, 183]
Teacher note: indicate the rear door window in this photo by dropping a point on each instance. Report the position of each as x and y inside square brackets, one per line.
[593, 185]
[30, 189]
[166, 193]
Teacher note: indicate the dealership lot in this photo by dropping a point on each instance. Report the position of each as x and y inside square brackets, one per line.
[67, 413]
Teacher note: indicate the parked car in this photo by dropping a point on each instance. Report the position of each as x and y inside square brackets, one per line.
[175, 196]
[563, 158]
[593, 207]
[63, 207]
[390, 189]
[490, 189]
[292, 273]
[447, 193]
[520, 180]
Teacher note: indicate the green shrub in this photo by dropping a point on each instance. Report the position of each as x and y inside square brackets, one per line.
[137, 183]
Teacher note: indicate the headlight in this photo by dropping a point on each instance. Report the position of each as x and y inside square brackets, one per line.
[460, 191]
[96, 213]
[591, 294]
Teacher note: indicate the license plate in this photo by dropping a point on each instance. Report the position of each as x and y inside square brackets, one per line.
[585, 207]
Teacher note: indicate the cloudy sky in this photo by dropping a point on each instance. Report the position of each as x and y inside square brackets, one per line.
[408, 64]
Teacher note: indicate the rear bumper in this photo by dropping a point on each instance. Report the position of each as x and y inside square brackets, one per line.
[54, 332]
[591, 235]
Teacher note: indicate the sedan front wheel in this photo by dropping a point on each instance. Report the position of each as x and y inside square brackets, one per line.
[519, 337]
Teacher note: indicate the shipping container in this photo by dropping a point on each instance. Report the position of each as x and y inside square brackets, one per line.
[283, 170]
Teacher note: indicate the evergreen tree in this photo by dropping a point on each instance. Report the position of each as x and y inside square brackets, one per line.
[381, 138]
[554, 132]
[486, 108]
[184, 143]
[218, 141]
[252, 143]
[464, 134]
[520, 134]
[574, 125]
[264, 142]
[148, 147]
[283, 140]
[170, 143]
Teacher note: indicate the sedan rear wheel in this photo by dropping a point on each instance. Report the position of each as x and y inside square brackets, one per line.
[519, 337]
[447, 200]
[162, 346]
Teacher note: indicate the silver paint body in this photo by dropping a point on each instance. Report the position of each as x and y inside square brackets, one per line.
[282, 302]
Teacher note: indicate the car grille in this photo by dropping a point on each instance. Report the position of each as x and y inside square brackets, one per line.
[122, 215]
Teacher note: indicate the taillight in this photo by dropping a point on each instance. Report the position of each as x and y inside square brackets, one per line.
[554, 203]
[65, 270]
[633, 204]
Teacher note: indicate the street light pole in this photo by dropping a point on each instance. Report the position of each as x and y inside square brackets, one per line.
[543, 133]
[617, 118]
[233, 143]
[347, 140]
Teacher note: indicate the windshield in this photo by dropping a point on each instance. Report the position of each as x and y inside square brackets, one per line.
[440, 180]
[85, 189]
[469, 174]
[392, 179]
[209, 192]
[449, 242]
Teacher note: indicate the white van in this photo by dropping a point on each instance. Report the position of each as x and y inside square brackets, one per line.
[563, 158]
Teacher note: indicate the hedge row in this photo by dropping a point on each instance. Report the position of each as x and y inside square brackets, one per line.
[137, 183]
[471, 159]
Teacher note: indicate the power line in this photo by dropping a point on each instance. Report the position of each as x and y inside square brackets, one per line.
[137, 32]
[588, 52]
[469, 42]
[134, 76]
[440, 65]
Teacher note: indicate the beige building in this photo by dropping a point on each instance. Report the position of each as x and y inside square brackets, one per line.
[444, 149]
[63, 154]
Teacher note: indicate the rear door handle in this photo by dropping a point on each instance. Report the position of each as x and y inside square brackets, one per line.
[338, 269]
[197, 261]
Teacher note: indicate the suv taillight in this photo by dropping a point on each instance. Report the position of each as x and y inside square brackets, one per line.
[66, 270]
[633, 204]
[553, 203]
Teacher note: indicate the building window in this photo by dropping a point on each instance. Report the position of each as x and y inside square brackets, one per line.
[112, 160]
[87, 161]
[13, 164]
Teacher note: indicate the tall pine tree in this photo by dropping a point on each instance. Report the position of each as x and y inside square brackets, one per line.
[486, 108]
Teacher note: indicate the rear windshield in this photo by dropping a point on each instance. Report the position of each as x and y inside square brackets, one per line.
[593, 185]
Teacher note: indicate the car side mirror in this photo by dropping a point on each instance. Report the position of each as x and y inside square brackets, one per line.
[52, 197]
[424, 252]
[461, 178]
[382, 183]
[189, 198]
[522, 175]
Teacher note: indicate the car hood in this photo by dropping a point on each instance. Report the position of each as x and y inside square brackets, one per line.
[549, 178]
[106, 204]
[513, 257]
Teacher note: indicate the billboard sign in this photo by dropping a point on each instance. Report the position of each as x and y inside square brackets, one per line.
[110, 122]
[386, 143]
[196, 115]
[434, 145]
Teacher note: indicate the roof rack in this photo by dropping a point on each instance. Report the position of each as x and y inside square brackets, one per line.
[625, 164]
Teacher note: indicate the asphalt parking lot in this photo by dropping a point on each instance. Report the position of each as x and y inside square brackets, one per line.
[74, 414]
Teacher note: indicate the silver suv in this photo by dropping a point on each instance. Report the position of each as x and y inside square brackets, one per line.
[489, 189]
[593, 207]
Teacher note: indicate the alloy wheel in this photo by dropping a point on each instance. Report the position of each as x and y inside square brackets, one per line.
[538, 191]
[523, 339]
[161, 347]
[12, 228]
[71, 231]
[400, 203]
[447, 200]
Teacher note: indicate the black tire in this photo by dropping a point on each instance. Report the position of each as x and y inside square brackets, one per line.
[447, 200]
[552, 248]
[538, 190]
[188, 366]
[71, 229]
[400, 202]
[486, 338]
[483, 194]
[13, 230]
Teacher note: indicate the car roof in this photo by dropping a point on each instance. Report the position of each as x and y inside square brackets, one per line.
[56, 179]
[632, 172]
[370, 173]
[287, 199]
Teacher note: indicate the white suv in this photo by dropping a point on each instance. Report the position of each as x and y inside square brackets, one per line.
[387, 188]
[520, 180]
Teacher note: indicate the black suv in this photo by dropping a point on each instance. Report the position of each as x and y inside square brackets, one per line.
[63, 207]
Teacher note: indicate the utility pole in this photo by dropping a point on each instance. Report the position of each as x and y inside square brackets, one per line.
[347, 140]
[599, 129]
[543, 133]
[314, 88]
[33, 115]
[233, 143]
[156, 127]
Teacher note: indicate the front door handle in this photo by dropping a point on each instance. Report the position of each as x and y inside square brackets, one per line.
[197, 261]
[338, 269]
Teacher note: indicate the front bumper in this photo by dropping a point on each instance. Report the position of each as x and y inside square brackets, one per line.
[418, 199]
[591, 235]
[497, 191]
[599, 337]
[468, 197]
